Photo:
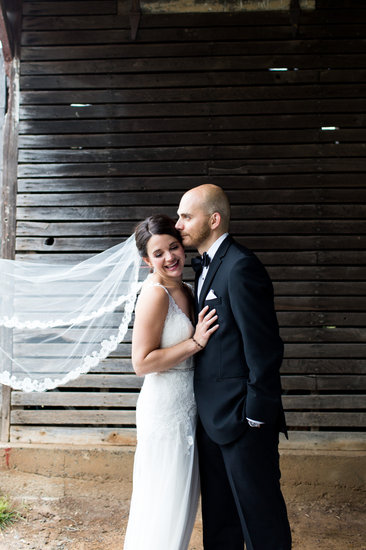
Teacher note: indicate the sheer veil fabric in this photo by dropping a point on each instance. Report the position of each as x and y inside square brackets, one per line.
[59, 321]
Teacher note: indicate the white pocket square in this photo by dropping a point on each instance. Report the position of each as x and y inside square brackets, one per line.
[211, 295]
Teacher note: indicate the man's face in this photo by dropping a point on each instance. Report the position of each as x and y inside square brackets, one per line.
[193, 221]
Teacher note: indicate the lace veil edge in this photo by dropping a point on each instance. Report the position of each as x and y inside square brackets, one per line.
[60, 321]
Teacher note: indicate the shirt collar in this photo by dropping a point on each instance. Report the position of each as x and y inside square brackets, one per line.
[216, 245]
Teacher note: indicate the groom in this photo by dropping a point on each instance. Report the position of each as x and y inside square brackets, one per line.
[237, 384]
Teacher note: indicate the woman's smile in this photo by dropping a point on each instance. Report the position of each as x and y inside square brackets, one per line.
[173, 266]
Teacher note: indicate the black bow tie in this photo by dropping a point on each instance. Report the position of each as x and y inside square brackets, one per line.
[200, 261]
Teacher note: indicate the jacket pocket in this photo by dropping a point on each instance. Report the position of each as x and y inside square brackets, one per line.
[213, 303]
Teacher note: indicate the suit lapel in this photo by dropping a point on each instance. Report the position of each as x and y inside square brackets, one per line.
[214, 266]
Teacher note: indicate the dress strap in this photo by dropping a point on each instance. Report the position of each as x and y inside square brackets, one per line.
[162, 286]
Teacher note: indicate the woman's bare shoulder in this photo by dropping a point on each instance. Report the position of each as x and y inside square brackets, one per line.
[153, 298]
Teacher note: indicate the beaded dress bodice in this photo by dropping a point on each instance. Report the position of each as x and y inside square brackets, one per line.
[166, 402]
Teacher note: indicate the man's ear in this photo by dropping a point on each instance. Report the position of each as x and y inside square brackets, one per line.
[215, 220]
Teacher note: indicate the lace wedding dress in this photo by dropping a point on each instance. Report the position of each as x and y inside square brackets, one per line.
[165, 477]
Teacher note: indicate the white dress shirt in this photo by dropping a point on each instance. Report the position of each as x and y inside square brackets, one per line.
[211, 252]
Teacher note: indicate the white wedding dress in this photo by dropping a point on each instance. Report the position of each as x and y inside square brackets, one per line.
[165, 477]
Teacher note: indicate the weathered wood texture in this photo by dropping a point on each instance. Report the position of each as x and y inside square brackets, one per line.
[8, 193]
[113, 130]
[6, 34]
[10, 17]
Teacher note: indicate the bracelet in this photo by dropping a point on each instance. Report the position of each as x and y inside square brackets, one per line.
[198, 344]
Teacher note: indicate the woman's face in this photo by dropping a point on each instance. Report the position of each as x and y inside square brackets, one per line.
[166, 256]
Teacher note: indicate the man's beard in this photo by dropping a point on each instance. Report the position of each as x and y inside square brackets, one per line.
[202, 236]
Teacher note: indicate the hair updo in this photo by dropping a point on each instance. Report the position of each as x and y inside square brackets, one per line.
[159, 224]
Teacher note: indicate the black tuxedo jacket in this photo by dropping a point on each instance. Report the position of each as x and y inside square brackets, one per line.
[237, 373]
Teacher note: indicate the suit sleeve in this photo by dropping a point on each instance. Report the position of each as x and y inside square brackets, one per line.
[251, 299]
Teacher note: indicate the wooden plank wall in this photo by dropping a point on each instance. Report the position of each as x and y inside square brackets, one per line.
[113, 130]
[2, 120]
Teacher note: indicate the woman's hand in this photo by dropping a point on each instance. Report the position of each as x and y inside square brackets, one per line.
[205, 326]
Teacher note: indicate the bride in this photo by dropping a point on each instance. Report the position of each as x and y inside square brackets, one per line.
[57, 321]
[165, 477]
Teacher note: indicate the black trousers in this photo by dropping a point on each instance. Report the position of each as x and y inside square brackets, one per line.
[241, 494]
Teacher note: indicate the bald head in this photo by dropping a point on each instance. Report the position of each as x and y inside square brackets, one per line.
[211, 198]
[204, 215]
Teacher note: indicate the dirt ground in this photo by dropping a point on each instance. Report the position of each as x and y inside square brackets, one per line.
[64, 514]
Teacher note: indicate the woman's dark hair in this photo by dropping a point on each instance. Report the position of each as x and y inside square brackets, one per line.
[159, 224]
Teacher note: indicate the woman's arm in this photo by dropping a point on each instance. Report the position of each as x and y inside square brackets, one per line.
[151, 311]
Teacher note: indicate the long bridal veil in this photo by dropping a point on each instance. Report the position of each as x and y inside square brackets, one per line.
[59, 321]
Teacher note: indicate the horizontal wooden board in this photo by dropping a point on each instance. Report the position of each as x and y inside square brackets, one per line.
[323, 402]
[140, 51]
[324, 383]
[294, 366]
[283, 258]
[317, 348]
[324, 334]
[284, 166]
[165, 34]
[326, 419]
[299, 382]
[100, 417]
[75, 213]
[250, 181]
[320, 273]
[163, 154]
[186, 93]
[269, 258]
[125, 400]
[200, 108]
[323, 366]
[69, 417]
[237, 168]
[74, 399]
[217, 31]
[319, 303]
[110, 365]
[237, 227]
[60, 350]
[194, 63]
[353, 289]
[301, 242]
[203, 79]
[106, 381]
[324, 319]
[73, 435]
[243, 197]
[208, 137]
[166, 123]
[333, 13]
[138, 212]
